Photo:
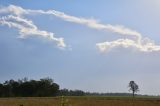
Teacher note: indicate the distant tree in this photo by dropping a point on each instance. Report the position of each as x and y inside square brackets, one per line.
[133, 87]
[66, 92]
[47, 87]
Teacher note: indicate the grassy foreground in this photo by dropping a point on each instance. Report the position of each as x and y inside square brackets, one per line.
[80, 101]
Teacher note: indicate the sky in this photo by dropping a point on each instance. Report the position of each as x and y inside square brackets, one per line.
[92, 45]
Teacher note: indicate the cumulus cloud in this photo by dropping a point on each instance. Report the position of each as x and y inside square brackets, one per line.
[134, 39]
[26, 27]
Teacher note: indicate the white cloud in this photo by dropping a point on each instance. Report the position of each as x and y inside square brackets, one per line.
[127, 43]
[16, 10]
[133, 39]
[26, 27]
[120, 29]
[94, 24]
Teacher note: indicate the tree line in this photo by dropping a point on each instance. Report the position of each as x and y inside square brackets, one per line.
[34, 88]
[29, 88]
[46, 87]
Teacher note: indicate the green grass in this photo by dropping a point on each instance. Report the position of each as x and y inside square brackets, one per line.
[81, 101]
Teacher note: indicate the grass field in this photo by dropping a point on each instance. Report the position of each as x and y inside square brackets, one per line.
[80, 101]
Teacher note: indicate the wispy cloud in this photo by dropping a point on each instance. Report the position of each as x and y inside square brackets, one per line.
[26, 27]
[95, 25]
[88, 22]
[134, 39]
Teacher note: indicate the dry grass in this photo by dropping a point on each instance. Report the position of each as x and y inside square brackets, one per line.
[80, 101]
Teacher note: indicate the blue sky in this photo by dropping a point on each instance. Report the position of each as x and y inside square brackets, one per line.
[90, 45]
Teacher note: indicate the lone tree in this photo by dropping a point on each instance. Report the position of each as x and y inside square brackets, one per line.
[133, 87]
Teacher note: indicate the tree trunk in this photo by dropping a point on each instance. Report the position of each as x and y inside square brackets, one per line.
[133, 94]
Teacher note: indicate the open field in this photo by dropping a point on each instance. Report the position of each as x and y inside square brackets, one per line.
[80, 101]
